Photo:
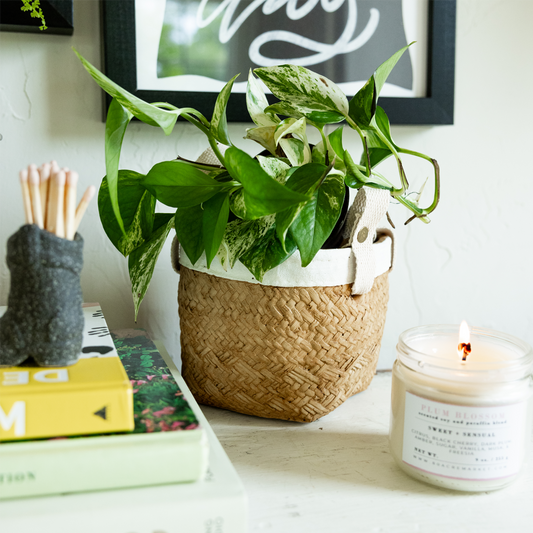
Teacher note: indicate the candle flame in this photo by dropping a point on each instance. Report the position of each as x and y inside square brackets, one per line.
[464, 347]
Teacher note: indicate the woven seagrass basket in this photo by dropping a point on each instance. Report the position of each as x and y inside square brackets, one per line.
[293, 353]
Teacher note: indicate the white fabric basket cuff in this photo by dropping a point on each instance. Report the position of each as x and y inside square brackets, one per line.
[329, 267]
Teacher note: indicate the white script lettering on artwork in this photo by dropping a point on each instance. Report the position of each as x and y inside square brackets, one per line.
[16, 416]
[346, 43]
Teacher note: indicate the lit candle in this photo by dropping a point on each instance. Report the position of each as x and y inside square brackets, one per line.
[461, 406]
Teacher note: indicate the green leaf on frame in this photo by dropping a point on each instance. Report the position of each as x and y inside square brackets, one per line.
[363, 104]
[117, 121]
[137, 206]
[304, 89]
[219, 123]
[267, 254]
[148, 113]
[188, 223]
[256, 102]
[141, 262]
[262, 194]
[383, 71]
[240, 236]
[215, 219]
[178, 184]
[316, 220]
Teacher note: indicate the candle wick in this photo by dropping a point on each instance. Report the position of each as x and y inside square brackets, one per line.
[465, 348]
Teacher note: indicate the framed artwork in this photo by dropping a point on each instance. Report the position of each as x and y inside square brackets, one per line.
[184, 51]
[58, 14]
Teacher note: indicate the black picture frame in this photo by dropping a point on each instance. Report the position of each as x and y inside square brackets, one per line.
[118, 23]
[59, 16]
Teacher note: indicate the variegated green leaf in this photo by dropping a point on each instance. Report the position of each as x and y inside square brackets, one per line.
[267, 254]
[219, 123]
[240, 236]
[274, 167]
[141, 262]
[297, 153]
[292, 126]
[237, 204]
[256, 102]
[313, 113]
[263, 135]
[137, 206]
[302, 87]
[296, 149]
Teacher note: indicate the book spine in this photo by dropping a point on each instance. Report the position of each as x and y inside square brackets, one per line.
[30, 416]
[85, 464]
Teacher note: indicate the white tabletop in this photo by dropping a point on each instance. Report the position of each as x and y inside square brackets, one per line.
[336, 475]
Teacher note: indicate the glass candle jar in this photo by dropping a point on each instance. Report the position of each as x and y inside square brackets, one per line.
[463, 425]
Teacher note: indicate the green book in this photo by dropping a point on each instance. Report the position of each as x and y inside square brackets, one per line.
[168, 445]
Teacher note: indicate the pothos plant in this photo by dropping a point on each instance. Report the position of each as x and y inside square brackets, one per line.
[34, 8]
[256, 210]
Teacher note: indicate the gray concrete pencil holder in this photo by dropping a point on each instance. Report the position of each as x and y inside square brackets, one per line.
[44, 319]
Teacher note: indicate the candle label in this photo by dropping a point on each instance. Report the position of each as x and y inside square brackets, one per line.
[464, 442]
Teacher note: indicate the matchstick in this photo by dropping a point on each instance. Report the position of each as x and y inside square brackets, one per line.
[36, 206]
[70, 204]
[44, 173]
[51, 204]
[82, 206]
[54, 213]
[26, 199]
[60, 205]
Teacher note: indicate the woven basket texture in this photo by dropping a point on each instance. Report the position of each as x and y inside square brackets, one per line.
[292, 353]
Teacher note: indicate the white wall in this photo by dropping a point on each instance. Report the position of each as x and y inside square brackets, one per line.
[471, 262]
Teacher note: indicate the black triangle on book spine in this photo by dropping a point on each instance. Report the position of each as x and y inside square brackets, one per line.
[102, 413]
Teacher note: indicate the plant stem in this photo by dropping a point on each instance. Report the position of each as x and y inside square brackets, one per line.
[436, 194]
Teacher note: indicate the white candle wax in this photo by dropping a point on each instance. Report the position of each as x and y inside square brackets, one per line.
[461, 425]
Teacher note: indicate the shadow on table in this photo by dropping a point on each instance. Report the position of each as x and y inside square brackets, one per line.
[308, 453]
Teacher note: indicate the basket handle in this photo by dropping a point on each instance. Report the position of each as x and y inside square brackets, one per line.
[368, 208]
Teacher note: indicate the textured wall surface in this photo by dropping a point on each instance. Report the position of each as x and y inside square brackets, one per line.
[471, 262]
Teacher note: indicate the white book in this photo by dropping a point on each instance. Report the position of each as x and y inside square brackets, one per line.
[216, 504]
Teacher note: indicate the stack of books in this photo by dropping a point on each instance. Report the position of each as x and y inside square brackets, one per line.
[69, 437]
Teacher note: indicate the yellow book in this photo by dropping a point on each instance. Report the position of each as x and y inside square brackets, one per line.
[92, 396]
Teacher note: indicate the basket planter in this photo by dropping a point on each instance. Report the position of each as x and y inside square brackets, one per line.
[287, 352]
